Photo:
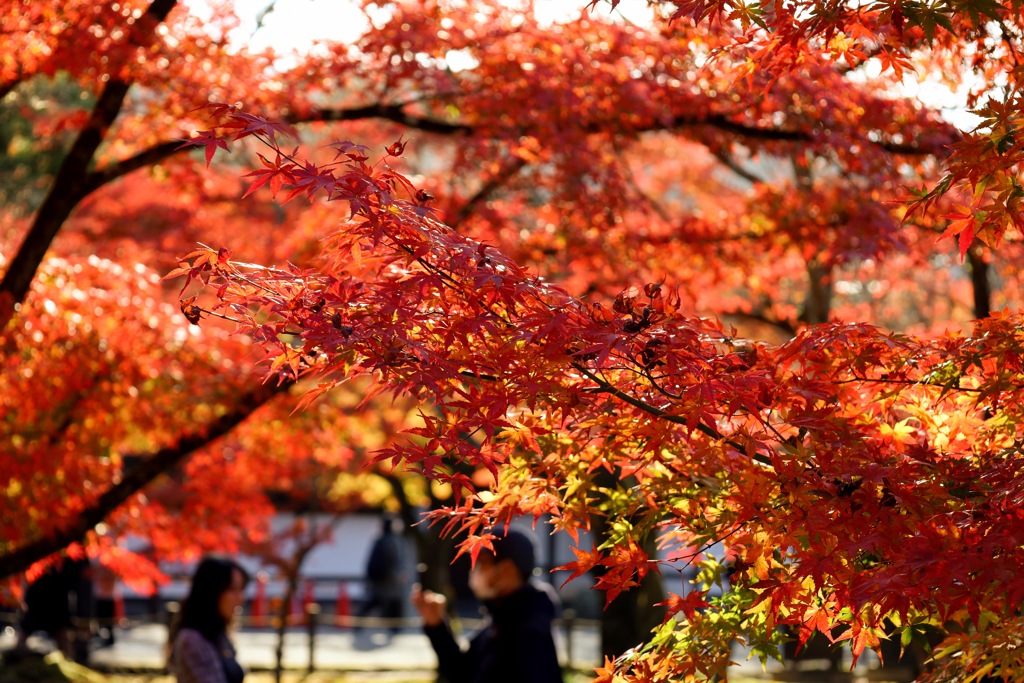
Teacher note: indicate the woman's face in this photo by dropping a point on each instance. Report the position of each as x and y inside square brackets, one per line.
[231, 599]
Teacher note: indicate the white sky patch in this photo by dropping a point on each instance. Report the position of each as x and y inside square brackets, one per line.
[291, 25]
[295, 24]
[634, 11]
[938, 96]
[930, 91]
[459, 60]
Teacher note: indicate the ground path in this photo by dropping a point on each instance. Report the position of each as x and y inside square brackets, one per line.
[141, 648]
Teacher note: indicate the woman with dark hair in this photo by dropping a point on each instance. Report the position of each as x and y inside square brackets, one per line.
[200, 649]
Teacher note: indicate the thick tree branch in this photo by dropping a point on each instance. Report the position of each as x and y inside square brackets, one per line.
[388, 112]
[67, 190]
[397, 114]
[135, 479]
[785, 326]
[723, 123]
[147, 157]
[159, 152]
[68, 187]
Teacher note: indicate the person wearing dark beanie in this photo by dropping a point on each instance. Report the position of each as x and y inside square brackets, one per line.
[516, 644]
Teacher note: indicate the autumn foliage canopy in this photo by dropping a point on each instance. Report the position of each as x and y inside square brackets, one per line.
[699, 278]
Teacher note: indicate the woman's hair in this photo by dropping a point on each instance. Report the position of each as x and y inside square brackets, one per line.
[201, 609]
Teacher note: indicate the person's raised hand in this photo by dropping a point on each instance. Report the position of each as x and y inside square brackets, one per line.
[430, 605]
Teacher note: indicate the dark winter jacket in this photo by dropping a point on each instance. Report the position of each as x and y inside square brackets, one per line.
[515, 646]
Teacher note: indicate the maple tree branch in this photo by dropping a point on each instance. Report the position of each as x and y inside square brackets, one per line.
[855, 379]
[660, 389]
[649, 200]
[1010, 41]
[722, 122]
[784, 325]
[608, 388]
[73, 183]
[477, 375]
[169, 148]
[698, 550]
[730, 163]
[147, 157]
[257, 286]
[397, 114]
[389, 112]
[68, 187]
[65, 193]
[503, 176]
[135, 479]
[447, 279]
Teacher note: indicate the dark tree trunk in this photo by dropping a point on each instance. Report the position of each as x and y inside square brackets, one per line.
[818, 307]
[282, 621]
[433, 553]
[628, 620]
[980, 281]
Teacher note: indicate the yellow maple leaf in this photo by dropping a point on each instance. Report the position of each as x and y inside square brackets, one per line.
[901, 432]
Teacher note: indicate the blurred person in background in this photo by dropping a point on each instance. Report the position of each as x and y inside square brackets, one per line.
[516, 643]
[385, 579]
[56, 604]
[200, 649]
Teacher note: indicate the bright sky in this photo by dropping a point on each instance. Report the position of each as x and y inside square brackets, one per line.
[293, 23]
